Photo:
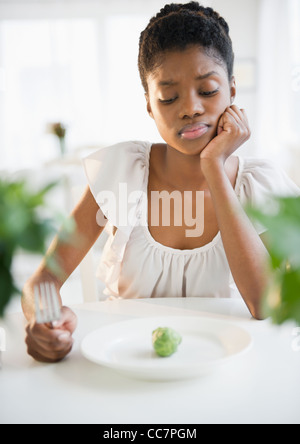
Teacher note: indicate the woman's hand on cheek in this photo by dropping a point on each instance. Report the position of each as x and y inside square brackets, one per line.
[233, 131]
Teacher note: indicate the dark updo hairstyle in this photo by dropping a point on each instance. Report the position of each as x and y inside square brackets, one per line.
[176, 27]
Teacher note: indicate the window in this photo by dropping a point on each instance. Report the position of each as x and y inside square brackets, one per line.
[279, 92]
[295, 68]
[82, 72]
[51, 74]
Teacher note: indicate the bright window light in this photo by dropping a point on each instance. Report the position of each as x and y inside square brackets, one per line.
[81, 72]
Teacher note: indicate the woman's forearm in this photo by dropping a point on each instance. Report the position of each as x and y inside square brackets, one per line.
[41, 275]
[65, 256]
[246, 254]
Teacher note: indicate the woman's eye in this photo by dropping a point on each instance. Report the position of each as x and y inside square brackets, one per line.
[208, 93]
[168, 101]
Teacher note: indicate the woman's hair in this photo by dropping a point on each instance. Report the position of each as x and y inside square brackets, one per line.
[176, 27]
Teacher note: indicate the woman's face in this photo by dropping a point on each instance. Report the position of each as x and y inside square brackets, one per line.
[187, 95]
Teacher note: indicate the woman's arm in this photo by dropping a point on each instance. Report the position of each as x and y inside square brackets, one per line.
[245, 251]
[68, 256]
[246, 254]
[52, 344]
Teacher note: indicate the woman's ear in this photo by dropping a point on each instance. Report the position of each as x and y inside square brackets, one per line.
[149, 109]
[232, 90]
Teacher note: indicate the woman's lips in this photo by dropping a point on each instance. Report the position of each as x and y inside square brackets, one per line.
[194, 131]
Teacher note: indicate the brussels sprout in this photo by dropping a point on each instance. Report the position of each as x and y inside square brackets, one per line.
[165, 341]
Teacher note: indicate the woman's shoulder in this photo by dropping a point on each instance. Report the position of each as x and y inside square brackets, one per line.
[122, 162]
[109, 168]
[260, 177]
[253, 164]
[121, 148]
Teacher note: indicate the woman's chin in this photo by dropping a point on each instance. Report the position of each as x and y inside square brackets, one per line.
[191, 148]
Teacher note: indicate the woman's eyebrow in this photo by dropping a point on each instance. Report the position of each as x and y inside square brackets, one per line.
[167, 83]
[200, 77]
[205, 76]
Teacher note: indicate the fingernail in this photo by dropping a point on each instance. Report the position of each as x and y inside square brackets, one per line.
[64, 337]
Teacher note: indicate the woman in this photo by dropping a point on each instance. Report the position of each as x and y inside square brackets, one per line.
[186, 68]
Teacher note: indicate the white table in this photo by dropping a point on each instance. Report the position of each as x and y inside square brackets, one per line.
[261, 386]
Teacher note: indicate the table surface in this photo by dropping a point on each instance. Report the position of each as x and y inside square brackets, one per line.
[261, 386]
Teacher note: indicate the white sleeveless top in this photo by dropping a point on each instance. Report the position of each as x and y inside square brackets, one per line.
[133, 264]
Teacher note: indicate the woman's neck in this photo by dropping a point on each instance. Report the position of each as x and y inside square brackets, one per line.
[181, 171]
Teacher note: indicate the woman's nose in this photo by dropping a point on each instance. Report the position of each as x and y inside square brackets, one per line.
[192, 106]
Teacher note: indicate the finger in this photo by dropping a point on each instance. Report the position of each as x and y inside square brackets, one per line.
[38, 331]
[240, 121]
[227, 122]
[220, 124]
[239, 114]
[48, 357]
[233, 125]
[46, 353]
[68, 320]
[243, 121]
[245, 116]
[225, 119]
[236, 114]
[45, 338]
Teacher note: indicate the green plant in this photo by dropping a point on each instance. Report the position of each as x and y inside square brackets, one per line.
[281, 218]
[21, 227]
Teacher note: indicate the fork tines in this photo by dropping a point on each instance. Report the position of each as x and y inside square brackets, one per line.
[47, 307]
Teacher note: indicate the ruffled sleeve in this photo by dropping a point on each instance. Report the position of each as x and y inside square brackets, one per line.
[117, 177]
[260, 179]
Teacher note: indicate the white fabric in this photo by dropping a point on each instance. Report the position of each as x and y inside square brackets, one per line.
[133, 264]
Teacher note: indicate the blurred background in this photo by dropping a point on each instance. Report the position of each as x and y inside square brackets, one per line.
[74, 62]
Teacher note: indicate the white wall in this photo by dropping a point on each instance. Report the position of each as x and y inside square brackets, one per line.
[243, 19]
[242, 16]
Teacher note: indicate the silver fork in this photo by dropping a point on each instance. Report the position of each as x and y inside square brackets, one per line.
[47, 306]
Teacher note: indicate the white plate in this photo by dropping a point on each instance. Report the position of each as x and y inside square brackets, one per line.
[127, 347]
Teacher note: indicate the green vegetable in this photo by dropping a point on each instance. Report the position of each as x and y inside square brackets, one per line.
[165, 341]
